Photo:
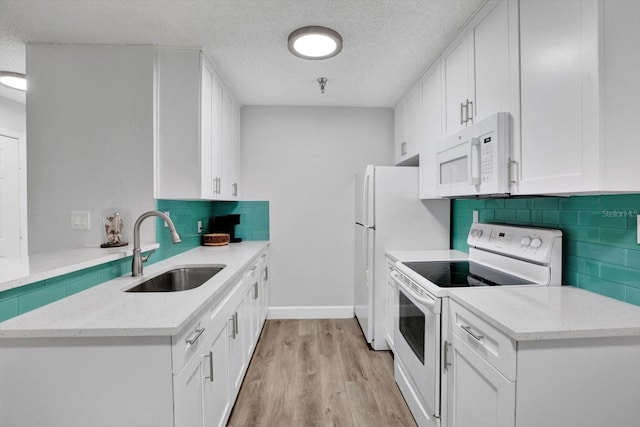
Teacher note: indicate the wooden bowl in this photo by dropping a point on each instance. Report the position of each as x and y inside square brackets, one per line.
[215, 239]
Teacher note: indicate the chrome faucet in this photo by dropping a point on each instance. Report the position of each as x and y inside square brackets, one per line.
[138, 259]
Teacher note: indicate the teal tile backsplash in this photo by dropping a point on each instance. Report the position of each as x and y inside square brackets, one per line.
[185, 216]
[600, 252]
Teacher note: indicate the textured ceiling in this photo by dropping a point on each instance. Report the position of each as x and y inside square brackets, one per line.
[387, 43]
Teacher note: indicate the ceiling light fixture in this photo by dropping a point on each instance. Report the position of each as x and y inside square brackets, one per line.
[322, 81]
[315, 42]
[13, 80]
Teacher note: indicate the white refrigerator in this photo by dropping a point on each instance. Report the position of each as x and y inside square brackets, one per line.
[389, 216]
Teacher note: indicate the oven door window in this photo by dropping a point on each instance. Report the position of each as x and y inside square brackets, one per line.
[411, 323]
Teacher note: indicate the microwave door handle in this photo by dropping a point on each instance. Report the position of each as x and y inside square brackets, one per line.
[474, 161]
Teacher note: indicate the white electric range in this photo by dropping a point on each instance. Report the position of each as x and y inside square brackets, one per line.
[499, 255]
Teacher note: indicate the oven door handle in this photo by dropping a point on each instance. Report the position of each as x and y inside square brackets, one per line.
[429, 302]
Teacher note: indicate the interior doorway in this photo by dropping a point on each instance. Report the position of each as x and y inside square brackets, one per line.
[13, 194]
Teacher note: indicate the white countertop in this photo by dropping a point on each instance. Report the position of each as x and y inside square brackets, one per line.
[105, 310]
[427, 255]
[555, 312]
[15, 272]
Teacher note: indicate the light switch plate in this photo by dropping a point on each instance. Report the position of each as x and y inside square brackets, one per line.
[167, 213]
[475, 216]
[80, 220]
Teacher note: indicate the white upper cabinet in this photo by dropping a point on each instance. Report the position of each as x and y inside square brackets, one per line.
[431, 121]
[578, 83]
[408, 132]
[479, 68]
[195, 129]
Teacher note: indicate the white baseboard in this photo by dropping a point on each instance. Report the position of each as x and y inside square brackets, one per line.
[316, 312]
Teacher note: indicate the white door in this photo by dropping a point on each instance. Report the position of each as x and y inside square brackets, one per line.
[13, 213]
[478, 395]
[236, 347]
[217, 400]
[188, 399]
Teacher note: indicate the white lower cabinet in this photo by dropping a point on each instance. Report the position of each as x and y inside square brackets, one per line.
[494, 381]
[190, 379]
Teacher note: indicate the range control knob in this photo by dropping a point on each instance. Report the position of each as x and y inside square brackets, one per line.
[536, 243]
[478, 232]
[526, 241]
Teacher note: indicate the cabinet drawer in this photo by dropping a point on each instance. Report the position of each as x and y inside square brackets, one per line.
[186, 343]
[488, 342]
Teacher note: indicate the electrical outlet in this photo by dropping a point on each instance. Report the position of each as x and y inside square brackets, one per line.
[167, 213]
[475, 216]
[199, 226]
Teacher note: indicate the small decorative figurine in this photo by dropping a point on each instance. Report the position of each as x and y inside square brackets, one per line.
[114, 228]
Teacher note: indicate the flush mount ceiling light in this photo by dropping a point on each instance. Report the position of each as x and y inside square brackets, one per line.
[315, 42]
[13, 80]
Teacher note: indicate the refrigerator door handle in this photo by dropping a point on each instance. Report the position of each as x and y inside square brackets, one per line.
[365, 253]
[365, 200]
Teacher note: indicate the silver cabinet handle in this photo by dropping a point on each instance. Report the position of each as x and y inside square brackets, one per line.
[462, 120]
[469, 111]
[447, 363]
[232, 334]
[194, 337]
[403, 148]
[253, 268]
[266, 274]
[235, 325]
[210, 376]
[234, 186]
[255, 291]
[470, 332]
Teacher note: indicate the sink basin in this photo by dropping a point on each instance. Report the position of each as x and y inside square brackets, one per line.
[178, 279]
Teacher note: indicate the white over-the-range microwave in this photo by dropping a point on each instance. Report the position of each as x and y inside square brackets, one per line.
[475, 161]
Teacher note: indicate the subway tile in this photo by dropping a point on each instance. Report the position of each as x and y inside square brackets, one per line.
[583, 234]
[477, 204]
[40, 297]
[582, 265]
[486, 215]
[83, 282]
[545, 203]
[602, 287]
[551, 217]
[568, 218]
[608, 254]
[633, 259]
[537, 216]
[624, 275]
[460, 204]
[517, 203]
[505, 215]
[621, 202]
[8, 308]
[607, 219]
[494, 203]
[618, 237]
[579, 203]
[523, 216]
[633, 296]
[569, 278]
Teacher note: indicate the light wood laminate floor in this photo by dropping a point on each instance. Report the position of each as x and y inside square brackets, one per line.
[318, 373]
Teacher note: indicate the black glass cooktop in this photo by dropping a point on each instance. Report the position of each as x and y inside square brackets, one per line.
[460, 274]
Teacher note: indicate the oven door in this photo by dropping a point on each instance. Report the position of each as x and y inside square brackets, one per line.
[417, 343]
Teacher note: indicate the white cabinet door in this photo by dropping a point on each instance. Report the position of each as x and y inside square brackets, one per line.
[408, 129]
[226, 149]
[456, 83]
[188, 394]
[559, 96]
[264, 297]
[491, 68]
[237, 359]
[249, 321]
[431, 119]
[478, 395]
[217, 388]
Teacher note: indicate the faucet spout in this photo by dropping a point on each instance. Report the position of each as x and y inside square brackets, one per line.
[138, 260]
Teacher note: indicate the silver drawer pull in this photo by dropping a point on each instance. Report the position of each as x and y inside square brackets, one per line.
[193, 338]
[468, 330]
[210, 376]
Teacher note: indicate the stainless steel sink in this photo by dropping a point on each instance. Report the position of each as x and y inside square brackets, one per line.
[178, 279]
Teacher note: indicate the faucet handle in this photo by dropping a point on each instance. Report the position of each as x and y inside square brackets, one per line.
[145, 258]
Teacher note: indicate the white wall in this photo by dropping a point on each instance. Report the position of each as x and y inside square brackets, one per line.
[13, 114]
[90, 140]
[303, 160]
